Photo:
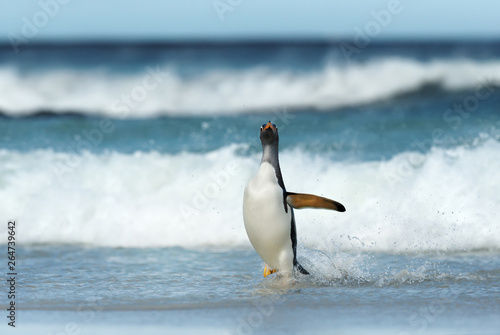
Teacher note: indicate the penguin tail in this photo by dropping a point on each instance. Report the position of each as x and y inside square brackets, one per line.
[301, 269]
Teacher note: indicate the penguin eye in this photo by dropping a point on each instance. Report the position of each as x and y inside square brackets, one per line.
[275, 127]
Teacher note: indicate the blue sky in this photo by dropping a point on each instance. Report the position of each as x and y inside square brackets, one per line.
[180, 19]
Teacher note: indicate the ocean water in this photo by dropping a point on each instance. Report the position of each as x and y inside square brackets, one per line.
[124, 168]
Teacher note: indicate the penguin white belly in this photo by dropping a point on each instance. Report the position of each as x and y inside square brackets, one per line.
[267, 224]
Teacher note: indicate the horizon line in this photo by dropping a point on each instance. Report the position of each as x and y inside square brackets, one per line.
[224, 41]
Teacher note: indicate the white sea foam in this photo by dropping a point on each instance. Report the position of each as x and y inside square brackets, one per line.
[232, 91]
[448, 202]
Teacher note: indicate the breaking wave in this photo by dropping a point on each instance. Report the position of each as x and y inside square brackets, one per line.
[446, 202]
[162, 91]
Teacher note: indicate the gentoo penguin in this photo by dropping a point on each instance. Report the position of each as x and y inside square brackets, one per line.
[268, 210]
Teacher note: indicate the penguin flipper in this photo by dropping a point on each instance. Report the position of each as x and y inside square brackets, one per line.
[302, 200]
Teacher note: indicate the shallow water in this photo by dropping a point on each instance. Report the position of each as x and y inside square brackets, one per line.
[224, 290]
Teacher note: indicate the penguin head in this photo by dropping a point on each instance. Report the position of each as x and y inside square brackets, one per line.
[269, 134]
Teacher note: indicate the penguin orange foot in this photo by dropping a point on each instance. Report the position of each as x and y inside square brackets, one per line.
[268, 271]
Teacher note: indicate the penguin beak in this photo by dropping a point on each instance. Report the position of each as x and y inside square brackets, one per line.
[269, 125]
